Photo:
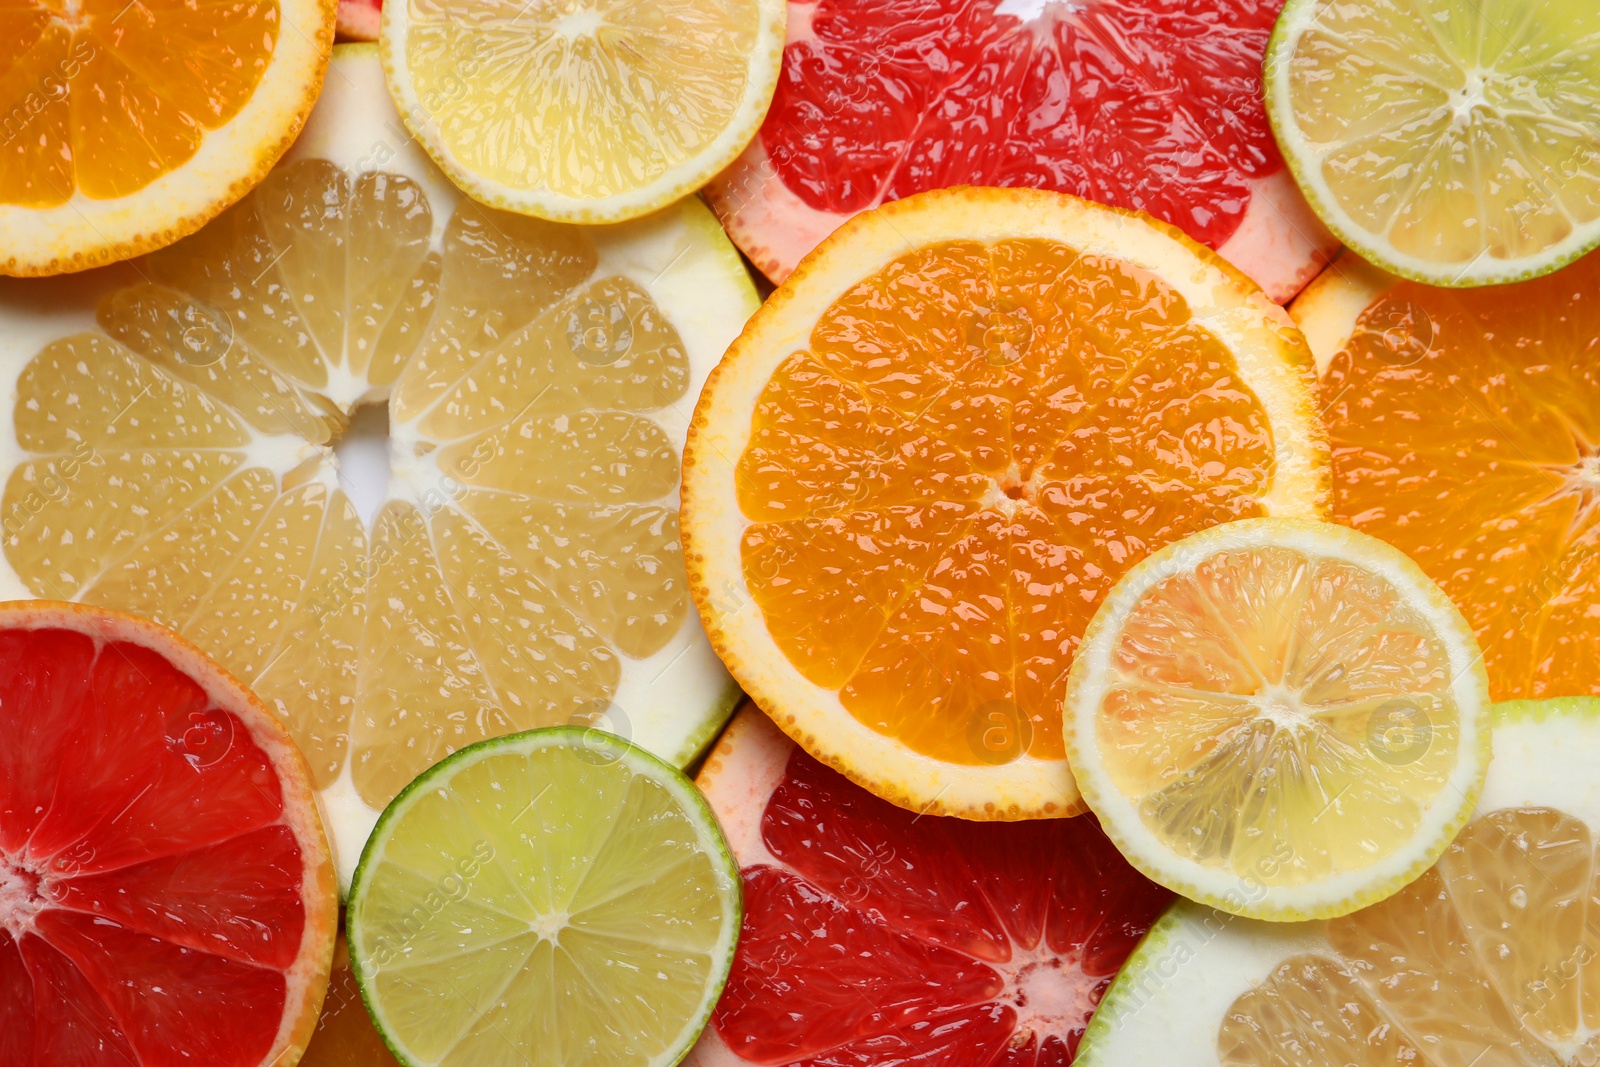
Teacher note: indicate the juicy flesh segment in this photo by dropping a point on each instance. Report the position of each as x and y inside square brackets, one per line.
[882, 937]
[586, 99]
[1492, 958]
[578, 898]
[976, 443]
[1454, 129]
[101, 98]
[154, 916]
[1155, 106]
[1466, 431]
[1279, 714]
[176, 466]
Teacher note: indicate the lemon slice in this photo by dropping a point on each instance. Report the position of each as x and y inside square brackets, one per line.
[183, 436]
[583, 110]
[1281, 718]
[553, 897]
[1490, 958]
[1451, 142]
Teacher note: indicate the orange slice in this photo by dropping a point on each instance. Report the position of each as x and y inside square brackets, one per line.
[124, 126]
[930, 454]
[1466, 431]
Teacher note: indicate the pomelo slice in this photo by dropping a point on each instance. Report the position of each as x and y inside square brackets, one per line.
[124, 128]
[873, 936]
[939, 443]
[175, 438]
[166, 891]
[551, 898]
[1466, 431]
[1280, 718]
[1491, 958]
[1136, 103]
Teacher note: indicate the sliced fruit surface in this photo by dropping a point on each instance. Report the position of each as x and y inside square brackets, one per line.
[584, 111]
[166, 889]
[345, 1036]
[1279, 718]
[1452, 141]
[1489, 958]
[1466, 431]
[553, 897]
[876, 937]
[934, 449]
[1149, 104]
[124, 128]
[176, 447]
[359, 19]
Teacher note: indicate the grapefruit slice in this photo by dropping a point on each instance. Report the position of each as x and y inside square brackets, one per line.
[1141, 104]
[123, 128]
[166, 892]
[933, 450]
[345, 1036]
[184, 441]
[873, 936]
[1466, 431]
[1491, 958]
[359, 20]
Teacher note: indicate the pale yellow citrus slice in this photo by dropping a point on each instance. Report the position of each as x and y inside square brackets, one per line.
[1491, 958]
[179, 446]
[939, 443]
[582, 110]
[1279, 718]
[125, 126]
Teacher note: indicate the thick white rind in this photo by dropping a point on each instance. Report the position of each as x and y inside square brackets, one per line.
[1170, 998]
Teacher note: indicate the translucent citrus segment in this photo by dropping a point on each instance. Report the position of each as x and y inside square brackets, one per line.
[1466, 431]
[1491, 957]
[551, 891]
[977, 440]
[1453, 142]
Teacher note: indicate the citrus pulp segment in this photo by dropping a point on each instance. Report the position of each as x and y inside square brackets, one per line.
[1453, 142]
[548, 898]
[1279, 718]
[876, 937]
[1465, 430]
[166, 890]
[1490, 958]
[587, 110]
[1140, 104]
[936, 446]
[169, 443]
[123, 129]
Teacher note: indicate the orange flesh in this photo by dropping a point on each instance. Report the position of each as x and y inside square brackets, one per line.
[1465, 429]
[103, 97]
[978, 441]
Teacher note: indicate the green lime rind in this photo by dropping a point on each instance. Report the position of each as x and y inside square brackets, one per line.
[1274, 77]
[576, 738]
[1509, 711]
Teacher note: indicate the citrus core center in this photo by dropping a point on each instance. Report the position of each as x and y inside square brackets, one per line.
[363, 455]
[1049, 991]
[23, 895]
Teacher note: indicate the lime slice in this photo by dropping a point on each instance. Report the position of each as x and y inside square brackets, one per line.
[1455, 142]
[551, 897]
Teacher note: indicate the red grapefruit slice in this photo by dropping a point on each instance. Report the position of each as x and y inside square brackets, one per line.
[877, 936]
[1148, 104]
[166, 891]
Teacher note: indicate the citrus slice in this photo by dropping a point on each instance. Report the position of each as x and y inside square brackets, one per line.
[553, 897]
[166, 892]
[1466, 431]
[585, 111]
[1490, 958]
[179, 440]
[1142, 104]
[1279, 718]
[359, 20]
[345, 1036]
[1452, 143]
[124, 128]
[935, 447]
[876, 937]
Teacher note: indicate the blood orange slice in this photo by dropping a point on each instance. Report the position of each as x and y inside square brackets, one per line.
[875, 936]
[166, 890]
[1150, 104]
